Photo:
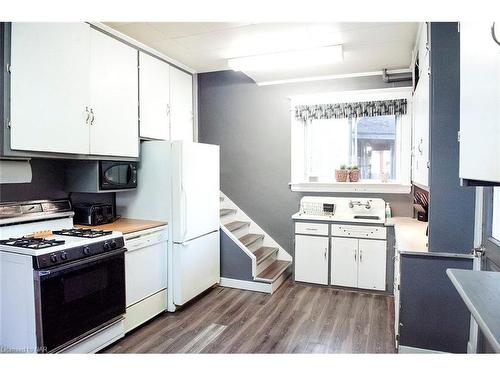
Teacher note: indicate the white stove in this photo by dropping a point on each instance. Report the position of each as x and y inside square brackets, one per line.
[62, 288]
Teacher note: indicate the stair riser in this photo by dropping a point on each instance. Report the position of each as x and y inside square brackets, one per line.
[255, 245]
[238, 233]
[265, 263]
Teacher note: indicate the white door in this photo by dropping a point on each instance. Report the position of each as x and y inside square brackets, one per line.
[195, 190]
[311, 259]
[195, 267]
[344, 262]
[49, 87]
[145, 266]
[181, 105]
[421, 128]
[372, 262]
[154, 97]
[114, 128]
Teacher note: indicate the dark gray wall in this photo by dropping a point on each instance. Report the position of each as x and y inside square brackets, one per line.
[252, 125]
[451, 213]
[48, 183]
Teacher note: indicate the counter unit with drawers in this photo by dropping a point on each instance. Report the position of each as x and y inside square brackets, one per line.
[348, 254]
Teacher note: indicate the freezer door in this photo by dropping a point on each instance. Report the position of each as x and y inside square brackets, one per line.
[195, 190]
[196, 267]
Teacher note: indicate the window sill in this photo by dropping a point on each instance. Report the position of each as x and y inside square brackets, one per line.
[351, 187]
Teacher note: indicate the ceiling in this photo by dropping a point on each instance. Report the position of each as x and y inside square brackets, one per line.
[206, 46]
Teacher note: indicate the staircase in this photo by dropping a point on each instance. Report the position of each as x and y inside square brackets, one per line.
[250, 258]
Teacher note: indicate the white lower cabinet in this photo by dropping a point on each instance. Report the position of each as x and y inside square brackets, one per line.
[311, 259]
[344, 262]
[358, 263]
[371, 264]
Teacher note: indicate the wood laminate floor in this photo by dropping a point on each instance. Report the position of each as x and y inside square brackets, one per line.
[297, 318]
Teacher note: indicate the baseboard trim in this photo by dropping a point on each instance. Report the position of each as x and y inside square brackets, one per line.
[413, 350]
[246, 285]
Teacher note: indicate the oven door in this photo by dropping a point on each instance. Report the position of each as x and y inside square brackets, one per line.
[78, 298]
[117, 175]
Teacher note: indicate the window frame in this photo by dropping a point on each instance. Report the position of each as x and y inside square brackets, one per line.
[403, 143]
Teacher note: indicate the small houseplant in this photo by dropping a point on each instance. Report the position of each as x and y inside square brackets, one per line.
[354, 173]
[342, 174]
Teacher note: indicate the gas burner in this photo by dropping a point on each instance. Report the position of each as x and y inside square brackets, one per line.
[84, 233]
[31, 243]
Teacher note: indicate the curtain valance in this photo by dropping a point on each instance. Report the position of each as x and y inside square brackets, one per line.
[349, 110]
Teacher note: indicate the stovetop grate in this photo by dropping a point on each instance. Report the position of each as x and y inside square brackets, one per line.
[31, 243]
[84, 233]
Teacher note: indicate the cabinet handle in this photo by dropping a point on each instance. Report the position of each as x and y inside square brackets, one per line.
[311, 228]
[326, 250]
[420, 148]
[360, 255]
[355, 257]
[88, 115]
[168, 109]
[93, 116]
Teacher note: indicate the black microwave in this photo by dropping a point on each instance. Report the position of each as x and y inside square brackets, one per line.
[116, 175]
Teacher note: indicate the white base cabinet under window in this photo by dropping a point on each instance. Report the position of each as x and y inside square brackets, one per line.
[358, 263]
[311, 259]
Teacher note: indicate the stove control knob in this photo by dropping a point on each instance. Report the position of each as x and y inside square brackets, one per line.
[64, 255]
[53, 258]
[106, 246]
[86, 250]
[113, 244]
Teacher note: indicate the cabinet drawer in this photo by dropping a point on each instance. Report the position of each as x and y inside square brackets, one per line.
[311, 228]
[359, 231]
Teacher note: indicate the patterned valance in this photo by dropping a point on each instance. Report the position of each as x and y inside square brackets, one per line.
[349, 110]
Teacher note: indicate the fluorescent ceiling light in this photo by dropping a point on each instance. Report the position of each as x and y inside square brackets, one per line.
[288, 60]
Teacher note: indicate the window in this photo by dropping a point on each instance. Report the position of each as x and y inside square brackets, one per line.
[379, 145]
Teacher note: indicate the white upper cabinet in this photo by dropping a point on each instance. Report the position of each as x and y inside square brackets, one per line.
[113, 97]
[420, 109]
[181, 105]
[479, 102]
[74, 90]
[154, 97]
[49, 87]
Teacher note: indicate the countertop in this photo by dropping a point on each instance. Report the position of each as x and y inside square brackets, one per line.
[126, 226]
[410, 234]
[480, 291]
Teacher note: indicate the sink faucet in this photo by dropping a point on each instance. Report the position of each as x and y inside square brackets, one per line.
[359, 203]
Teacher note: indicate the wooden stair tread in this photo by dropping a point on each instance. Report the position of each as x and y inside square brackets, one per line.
[264, 252]
[250, 238]
[226, 211]
[235, 225]
[274, 271]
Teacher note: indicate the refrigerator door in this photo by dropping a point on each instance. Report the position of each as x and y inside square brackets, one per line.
[196, 267]
[195, 190]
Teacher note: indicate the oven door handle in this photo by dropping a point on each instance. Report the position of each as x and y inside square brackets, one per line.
[76, 265]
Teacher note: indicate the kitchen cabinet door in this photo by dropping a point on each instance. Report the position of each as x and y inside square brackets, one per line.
[479, 102]
[154, 97]
[114, 128]
[372, 264]
[421, 129]
[181, 105]
[311, 259]
[344, 262]
[49, 87]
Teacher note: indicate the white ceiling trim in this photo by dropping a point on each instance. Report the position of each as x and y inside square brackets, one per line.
[332, 76]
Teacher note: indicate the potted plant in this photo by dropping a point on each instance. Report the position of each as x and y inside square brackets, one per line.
[342, 174]
[354, 173]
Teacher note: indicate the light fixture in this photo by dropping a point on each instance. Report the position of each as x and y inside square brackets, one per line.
[288, 60]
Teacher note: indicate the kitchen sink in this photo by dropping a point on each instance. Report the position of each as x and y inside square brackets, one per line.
[368, 217]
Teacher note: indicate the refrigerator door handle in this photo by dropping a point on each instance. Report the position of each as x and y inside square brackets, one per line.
[183, 212]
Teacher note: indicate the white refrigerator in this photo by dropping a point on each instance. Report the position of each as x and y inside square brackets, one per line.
[178, 182]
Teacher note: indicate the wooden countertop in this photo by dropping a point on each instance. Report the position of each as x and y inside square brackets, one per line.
[410, 234]
[125, 225]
